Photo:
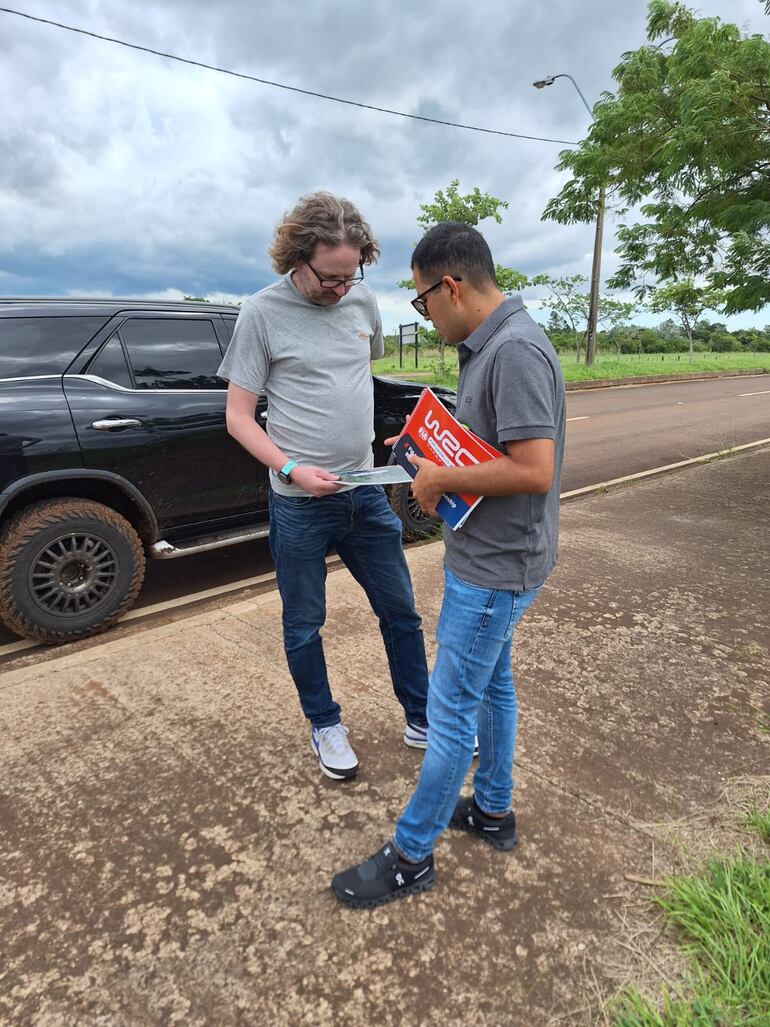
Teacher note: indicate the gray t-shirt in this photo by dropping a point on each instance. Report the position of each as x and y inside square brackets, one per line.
[312, 363]
[511, 387]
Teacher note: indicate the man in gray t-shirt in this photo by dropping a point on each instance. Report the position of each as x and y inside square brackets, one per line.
[511, 393]
[306, 342]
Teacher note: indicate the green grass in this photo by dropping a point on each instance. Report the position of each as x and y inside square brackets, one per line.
[721, 919]
[760, 822]
[606, 365]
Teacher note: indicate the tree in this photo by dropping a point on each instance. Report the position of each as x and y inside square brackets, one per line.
[687, 135]
[510, 281]
[450, 206]
[566, 299]
[687, 301]
[556, 323]
[470, 209]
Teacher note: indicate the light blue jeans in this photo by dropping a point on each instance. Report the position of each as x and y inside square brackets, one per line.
[471, 688]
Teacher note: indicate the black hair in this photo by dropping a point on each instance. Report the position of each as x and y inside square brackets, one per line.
[454, 248]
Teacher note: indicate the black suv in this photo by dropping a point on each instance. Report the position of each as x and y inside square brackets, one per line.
[113, 445]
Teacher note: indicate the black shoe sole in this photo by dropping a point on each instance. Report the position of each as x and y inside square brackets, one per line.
[333, 772]
[501, 844]
[337, 775]
[412, 889]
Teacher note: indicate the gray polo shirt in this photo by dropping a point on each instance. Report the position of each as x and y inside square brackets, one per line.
[312, 363]
[511, 387]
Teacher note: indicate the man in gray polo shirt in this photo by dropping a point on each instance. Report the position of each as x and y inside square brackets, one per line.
[306, 342]
[511, 393]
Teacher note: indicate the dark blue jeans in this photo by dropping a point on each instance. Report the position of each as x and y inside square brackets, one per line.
[366, 534]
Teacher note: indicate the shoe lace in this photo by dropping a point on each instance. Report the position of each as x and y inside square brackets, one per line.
[336, 738]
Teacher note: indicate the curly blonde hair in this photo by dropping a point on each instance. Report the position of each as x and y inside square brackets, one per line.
[320, 217]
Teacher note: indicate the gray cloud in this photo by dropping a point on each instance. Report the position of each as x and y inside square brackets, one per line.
[124, 172]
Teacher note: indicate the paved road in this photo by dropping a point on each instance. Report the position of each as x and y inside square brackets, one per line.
[611, 433]
[619, 431]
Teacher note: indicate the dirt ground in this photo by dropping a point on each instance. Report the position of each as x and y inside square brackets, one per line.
[167, 842]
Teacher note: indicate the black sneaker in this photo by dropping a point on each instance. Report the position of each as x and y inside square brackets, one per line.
[499, 832]
[383, 877]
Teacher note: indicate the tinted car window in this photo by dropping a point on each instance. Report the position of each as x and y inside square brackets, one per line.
[173, 353]
[110, 364]
[229, 323]
[42, 345]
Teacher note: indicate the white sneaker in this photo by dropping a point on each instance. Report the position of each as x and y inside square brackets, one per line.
[335, 755]
[416, 737]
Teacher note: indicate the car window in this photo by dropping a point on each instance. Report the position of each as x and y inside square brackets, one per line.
[110, 363]
[229, 323]
[42, 345]
[173, 353]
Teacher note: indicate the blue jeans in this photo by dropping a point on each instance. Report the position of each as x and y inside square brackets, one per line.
[471, 688]
[360, 525]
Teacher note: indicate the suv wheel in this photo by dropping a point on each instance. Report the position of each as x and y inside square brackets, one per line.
[416, 524]
[68, 569]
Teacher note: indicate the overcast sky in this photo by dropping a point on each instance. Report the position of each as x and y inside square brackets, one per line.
[123, 173]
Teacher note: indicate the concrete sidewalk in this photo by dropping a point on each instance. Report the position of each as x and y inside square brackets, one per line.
[167, 842]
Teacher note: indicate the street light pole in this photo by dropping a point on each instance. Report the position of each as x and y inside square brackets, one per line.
[596, 267]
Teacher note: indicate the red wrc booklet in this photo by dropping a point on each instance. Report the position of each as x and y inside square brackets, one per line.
[432, 432]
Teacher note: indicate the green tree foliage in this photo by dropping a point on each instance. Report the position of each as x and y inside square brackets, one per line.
[510, 281]
[568, 300]
[470, 209]
[687, 136]
[688, 302]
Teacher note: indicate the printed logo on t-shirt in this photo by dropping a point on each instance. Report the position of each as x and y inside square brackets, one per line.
[363, 336]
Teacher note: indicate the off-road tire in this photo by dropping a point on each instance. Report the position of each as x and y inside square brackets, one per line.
[106, 552]
[415, 524]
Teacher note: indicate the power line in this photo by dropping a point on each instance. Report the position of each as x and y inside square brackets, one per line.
[280, 85]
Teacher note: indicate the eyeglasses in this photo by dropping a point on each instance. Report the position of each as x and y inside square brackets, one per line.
[333, 283]
[420, 303]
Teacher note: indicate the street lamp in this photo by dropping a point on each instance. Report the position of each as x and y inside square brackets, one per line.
[593, 304]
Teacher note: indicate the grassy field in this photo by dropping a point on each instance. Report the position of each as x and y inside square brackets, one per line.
[606, 365]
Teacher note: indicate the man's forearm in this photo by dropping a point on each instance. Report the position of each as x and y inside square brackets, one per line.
[502, 477]
[256, 441]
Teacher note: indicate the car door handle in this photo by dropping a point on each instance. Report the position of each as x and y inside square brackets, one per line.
[116, 423]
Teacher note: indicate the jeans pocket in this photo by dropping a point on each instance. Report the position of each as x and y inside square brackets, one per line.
[469, 584]
[293, 502]
[521, 603]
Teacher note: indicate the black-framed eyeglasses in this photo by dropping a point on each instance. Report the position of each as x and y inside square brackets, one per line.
[334, 283]
[420, 302]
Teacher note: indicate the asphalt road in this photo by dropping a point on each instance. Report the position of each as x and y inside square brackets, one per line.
[611, 433]
[619, 431]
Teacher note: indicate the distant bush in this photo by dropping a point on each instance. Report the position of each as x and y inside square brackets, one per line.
[723, 343]
[672, 344]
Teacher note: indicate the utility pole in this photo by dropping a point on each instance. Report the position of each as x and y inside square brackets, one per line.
[596, 267]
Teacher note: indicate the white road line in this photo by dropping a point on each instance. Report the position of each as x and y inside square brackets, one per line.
[765, 393]
[659, 470]
[586, 417]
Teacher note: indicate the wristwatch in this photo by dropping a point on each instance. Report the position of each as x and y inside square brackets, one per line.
[284, 474]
